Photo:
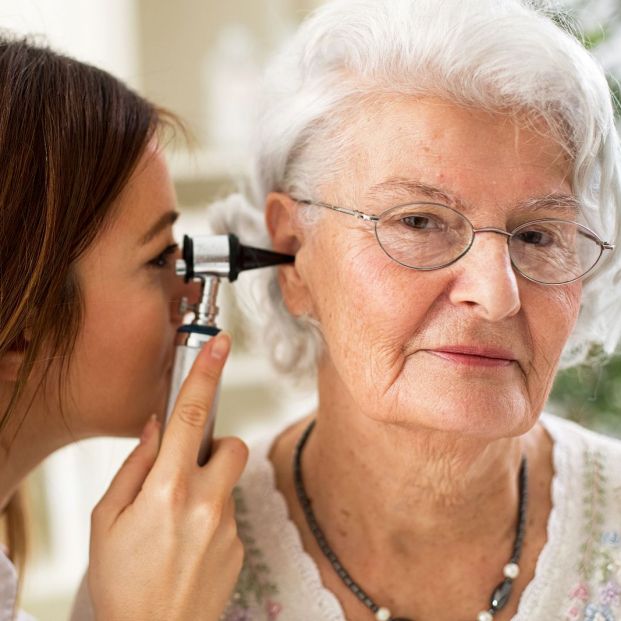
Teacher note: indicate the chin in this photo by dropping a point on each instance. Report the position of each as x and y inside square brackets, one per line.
[483, 413]
[483, 420]
[473, 404]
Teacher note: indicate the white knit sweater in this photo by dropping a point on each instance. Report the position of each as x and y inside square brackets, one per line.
[578, 574]
[8, 591]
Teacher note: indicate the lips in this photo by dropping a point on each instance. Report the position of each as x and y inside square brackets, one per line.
[478, 350]
[475, 355]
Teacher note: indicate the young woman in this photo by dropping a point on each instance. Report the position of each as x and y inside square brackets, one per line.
[88, 312]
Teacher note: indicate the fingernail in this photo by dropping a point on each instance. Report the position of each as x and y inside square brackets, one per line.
[147, 430]
[221, 346]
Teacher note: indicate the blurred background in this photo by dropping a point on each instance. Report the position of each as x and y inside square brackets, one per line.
[202, 59]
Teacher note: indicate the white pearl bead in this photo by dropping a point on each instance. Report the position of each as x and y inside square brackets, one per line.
[511, 570]
[383, 614]
[484, 615]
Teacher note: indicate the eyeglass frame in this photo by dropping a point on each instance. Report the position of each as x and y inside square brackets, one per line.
[360, 215]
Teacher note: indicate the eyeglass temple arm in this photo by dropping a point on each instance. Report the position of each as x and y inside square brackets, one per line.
[605, 245]
[350, 212]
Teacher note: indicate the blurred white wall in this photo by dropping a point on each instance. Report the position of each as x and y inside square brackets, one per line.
[101, 32]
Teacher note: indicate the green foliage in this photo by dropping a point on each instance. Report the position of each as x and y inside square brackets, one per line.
[590, 395]
[593, 39]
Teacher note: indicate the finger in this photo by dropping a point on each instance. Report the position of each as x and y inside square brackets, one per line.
[128, 481]
[225, 466]
[185, 428]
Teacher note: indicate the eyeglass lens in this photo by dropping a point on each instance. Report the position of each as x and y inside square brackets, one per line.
[430, 236]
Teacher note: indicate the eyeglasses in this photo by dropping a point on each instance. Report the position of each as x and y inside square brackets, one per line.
[430, 236]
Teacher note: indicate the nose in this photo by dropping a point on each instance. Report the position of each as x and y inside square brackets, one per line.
[485, 278]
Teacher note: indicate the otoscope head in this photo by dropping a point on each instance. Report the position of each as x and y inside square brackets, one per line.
[224, 256]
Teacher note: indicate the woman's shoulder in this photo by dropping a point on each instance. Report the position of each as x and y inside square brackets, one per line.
[259, 469]
[8, 590]
[580, 440]
[589, 463]
[8, 586]
[585, 529]
[278, 579]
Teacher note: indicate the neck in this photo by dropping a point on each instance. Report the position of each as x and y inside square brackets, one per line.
[30, 435]
[400, 488]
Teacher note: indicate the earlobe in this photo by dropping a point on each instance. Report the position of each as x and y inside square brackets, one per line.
[288, 237]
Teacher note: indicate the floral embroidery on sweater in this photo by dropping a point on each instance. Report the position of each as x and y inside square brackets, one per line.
[598, 592]
[254, 590]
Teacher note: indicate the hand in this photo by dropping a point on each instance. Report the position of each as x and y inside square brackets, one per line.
[164, 542]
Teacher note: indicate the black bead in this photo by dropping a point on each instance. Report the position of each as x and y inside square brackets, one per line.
[501, 595]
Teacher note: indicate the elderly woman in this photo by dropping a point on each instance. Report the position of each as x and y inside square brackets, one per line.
[448, 176]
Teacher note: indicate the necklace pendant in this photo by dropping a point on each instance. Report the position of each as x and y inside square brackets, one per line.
[501, 595]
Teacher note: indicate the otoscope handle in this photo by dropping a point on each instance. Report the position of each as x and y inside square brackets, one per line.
[185, 355]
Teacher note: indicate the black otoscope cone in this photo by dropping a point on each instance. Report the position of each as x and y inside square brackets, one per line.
[248, 258]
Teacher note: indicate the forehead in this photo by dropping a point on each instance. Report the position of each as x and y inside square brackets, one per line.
[470, 154]
[148, 195]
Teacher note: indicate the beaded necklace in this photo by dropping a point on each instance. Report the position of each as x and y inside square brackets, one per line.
[501, 593]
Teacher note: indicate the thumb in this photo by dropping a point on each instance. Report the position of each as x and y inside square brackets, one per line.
[128, 481]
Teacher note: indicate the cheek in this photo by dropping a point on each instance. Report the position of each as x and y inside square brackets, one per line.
[369, 307]
[551, 314]
[133, 325]
[119, 369]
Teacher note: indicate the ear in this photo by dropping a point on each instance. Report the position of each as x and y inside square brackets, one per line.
[288, 237]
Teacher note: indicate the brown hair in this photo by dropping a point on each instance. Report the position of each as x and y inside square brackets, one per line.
[70, 137]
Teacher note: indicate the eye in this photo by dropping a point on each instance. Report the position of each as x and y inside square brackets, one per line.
[422, 222]
[163, 260]
[535, 238]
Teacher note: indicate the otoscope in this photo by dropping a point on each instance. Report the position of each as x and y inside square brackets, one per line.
[207, 259]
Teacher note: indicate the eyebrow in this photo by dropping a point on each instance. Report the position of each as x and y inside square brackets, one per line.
[409, 187]
[555, 202]
[165, 220]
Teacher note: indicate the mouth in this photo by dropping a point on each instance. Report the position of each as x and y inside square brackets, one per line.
[475, 356]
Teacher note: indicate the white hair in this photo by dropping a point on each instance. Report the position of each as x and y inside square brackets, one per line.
[501, 56]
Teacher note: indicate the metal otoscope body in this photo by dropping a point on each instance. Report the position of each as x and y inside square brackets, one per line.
[207, 259]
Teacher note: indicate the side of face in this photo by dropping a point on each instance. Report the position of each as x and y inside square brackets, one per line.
[120, 368]
[383, 323]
